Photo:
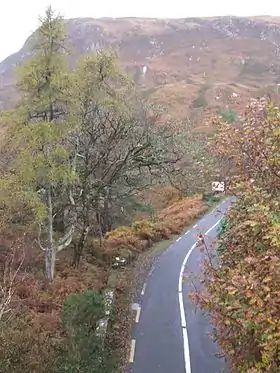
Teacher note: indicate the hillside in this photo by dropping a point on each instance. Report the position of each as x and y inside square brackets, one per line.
[93, 191]
[193, 66]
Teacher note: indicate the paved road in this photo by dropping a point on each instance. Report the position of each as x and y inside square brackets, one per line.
[161, 342]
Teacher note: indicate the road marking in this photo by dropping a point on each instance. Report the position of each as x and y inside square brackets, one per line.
[181, 305]
[187, 233]
[195, 226]
[214, 226]
[151, 272]
[180, 283]
[132, 350]
[137, 317]
[144, 289]
[186, 350]
[135, 306]
[178, 239]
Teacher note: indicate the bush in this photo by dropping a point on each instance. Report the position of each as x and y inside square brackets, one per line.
[144, 229]
[119, 232]
[23, 349]
[229, 115]
[82, 310]
[200, 102]
[83, 350]
[133, 240]
[162, 231]
[179, 215]
[242, 295]
[212, 198]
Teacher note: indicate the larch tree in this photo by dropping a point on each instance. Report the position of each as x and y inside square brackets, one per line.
[44, 170]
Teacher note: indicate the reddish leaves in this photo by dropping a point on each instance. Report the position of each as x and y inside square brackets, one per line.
[243, 296]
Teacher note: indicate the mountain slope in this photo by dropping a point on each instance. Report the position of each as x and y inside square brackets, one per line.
[194, 66]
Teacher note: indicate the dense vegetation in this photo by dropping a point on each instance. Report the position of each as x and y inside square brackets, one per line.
[83, 155]
[91, 173]
[243, 294]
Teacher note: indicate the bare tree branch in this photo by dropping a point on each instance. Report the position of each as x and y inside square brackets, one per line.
[7, 282]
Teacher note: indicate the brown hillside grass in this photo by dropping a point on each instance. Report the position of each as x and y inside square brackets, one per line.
[130, 241]
[177, 216]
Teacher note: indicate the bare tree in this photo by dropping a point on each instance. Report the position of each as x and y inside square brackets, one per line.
[121, 149]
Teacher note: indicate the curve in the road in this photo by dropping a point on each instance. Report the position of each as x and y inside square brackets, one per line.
[168, 335]
[181, 303]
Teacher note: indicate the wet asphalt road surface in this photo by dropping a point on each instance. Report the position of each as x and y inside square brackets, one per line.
[161, 343]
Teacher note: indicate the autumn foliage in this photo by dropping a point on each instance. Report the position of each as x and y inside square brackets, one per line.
[130, 241]
[33, 334]
[243, 294]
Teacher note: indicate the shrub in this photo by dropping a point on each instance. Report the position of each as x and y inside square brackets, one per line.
[229, 115]
[83, 350]
[119, 232]
[212, 198]
[200, 101]
[177, 216]
[242, 294]
[23, 349]
[141, 235]
[144, 229]
[162, 231]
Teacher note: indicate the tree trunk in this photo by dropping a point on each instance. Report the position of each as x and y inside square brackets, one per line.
[50, 251]
[99, 228]
[79, 247]
[50, 258]
[105, 219]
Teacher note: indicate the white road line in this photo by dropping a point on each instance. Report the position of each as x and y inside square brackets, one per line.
[181, 305]
[195, 226]
[178, 239]
[144, 289]
[137, 317]
[132, 350]
[151, 271]
[180, 283]
[214, 226]
[187, 233]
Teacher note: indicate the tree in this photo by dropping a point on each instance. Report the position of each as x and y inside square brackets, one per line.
[199, 166]
[43, 170]
[121, 150]
[242, 295]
